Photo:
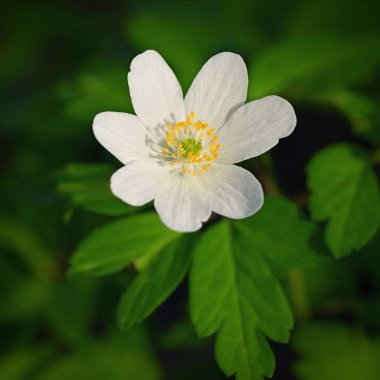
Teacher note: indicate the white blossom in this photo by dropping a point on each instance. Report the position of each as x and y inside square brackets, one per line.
[180, 152]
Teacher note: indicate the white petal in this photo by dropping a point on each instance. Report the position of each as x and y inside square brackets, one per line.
[155, 91]
[255, 128]
[138, 182]
[121, 134]
[235, 192]
[183, 204]
[218, 89]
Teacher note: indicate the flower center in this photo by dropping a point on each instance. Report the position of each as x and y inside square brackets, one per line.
[191, 145]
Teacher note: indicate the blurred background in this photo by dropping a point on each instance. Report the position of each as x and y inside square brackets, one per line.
[64, 62]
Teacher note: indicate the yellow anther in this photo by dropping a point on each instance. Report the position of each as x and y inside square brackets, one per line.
[184, 141]
[210, 132]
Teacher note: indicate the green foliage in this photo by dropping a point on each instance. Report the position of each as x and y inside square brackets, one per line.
[155, 283]
[333, 61]
[20, 365]
[234, 293]
[72, 328]
[87, 186]
[361, 110]
[192, 36]
[188, 53]
[84, 97]
[344, 192]
[333, 351]
[64, 62]
[286, 243]
[114, 246]
[115, 358]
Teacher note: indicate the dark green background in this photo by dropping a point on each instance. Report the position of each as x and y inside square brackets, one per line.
[62, 63]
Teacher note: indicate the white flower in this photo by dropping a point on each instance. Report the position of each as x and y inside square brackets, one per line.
[181, 152]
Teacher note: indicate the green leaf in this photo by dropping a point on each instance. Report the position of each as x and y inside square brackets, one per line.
[102, 87]
[154, 284]
[361, 110]
[87, 186]
[333, 61]
[334, 352]
[233, 293]
[345, 193]
[117, 358]
[113, 246]
[285, 238]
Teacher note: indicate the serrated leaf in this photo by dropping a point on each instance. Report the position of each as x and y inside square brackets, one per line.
[154, 284]
[234, 294]
[350, 354]
[113, 246]
[87, 186]
[283, 236]
[345, 193]
[333, 61]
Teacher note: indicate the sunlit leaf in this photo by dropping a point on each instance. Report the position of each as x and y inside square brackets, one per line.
[113, 246]
[335, 352]
[154, 284]
[88, 186]
[234, 294]
[284, 237]
[345, 193]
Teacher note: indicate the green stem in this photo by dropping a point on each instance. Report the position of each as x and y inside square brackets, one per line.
[297, 288]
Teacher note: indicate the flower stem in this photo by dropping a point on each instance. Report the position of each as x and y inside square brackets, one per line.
[297, 289]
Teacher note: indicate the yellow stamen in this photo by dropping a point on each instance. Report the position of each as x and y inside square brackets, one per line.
[184, 142]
